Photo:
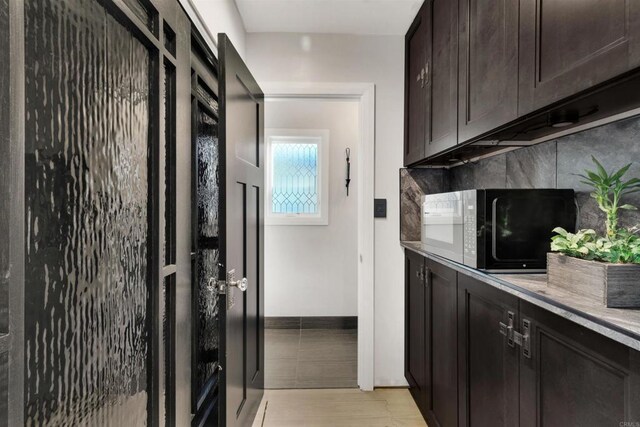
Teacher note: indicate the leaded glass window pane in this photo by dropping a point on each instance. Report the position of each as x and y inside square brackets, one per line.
[295, 171]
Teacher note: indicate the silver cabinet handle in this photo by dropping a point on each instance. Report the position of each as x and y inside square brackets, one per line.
[420, 78]
[426, 74]
[526, 338]
[240, 284]
[507, 330]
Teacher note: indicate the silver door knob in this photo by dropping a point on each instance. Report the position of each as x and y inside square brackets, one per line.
[240, 284]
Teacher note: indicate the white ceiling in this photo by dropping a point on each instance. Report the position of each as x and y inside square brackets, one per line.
[329, 16]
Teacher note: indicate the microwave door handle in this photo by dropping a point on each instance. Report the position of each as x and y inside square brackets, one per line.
[575, 201]
[494, 231]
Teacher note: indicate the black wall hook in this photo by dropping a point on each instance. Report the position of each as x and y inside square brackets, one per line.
[348, 152]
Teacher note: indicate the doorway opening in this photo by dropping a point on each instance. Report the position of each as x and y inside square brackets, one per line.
[318, 265]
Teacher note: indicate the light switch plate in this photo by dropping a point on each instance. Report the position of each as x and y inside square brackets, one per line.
[380, 208]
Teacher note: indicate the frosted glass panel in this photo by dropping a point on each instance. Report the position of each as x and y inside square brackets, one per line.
[208, 179]
[86, 286]
[168, 342]
[208, 253]
[294, 178]
[207, 316]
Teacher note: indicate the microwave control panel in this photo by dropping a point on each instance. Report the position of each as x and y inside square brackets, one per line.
[442, 205]
[470, 231]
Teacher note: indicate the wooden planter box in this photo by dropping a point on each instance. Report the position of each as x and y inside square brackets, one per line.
[614, 285]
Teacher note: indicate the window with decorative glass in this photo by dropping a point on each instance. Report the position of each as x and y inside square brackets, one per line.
[297, 177]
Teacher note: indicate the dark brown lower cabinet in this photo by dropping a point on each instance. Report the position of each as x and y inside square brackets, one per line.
[478, 356]
[574, 376]
[488, 362]
[431, 370]
[442, 286]
[416, 318]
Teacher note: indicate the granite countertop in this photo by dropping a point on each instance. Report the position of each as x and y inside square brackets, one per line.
[621, 325]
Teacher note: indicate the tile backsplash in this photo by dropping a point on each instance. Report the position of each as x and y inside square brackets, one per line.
[552, 164]
[414, 183]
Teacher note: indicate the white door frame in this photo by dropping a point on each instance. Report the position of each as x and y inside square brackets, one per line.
[365, 94]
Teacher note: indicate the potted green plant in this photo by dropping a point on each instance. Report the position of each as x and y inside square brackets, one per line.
[605, 268]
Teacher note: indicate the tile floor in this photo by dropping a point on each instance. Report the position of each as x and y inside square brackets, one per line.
[338, 408]
[311, 358]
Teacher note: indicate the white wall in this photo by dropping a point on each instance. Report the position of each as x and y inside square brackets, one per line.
[373, 59]
[312, 270]
[220, 16]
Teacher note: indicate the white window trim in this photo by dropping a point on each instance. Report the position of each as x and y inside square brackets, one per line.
[314, 135]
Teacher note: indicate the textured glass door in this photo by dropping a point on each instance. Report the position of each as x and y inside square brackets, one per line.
[206, 301]
[87, 287]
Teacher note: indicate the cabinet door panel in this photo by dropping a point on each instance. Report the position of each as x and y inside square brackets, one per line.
[444, 348]
[488, 366]
[416, 357]
[576, 377]
[488, 65]
[442, 100]
[415, 93]
[567, 47]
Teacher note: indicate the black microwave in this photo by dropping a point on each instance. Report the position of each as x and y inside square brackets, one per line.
[497, 229]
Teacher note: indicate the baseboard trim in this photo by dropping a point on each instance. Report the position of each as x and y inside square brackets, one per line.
[311, 322]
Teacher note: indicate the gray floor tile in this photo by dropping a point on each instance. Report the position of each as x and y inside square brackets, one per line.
[276, 333]
[329, 351]
[282, 323]
[311, 358]
[281, 368]
[328, 336]
[315, 374]
[281, 344]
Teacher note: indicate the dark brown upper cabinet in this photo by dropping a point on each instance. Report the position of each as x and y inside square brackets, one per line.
[488, 63]
[432, 81]
[416, 42]
[441, 123]
[567, 47]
